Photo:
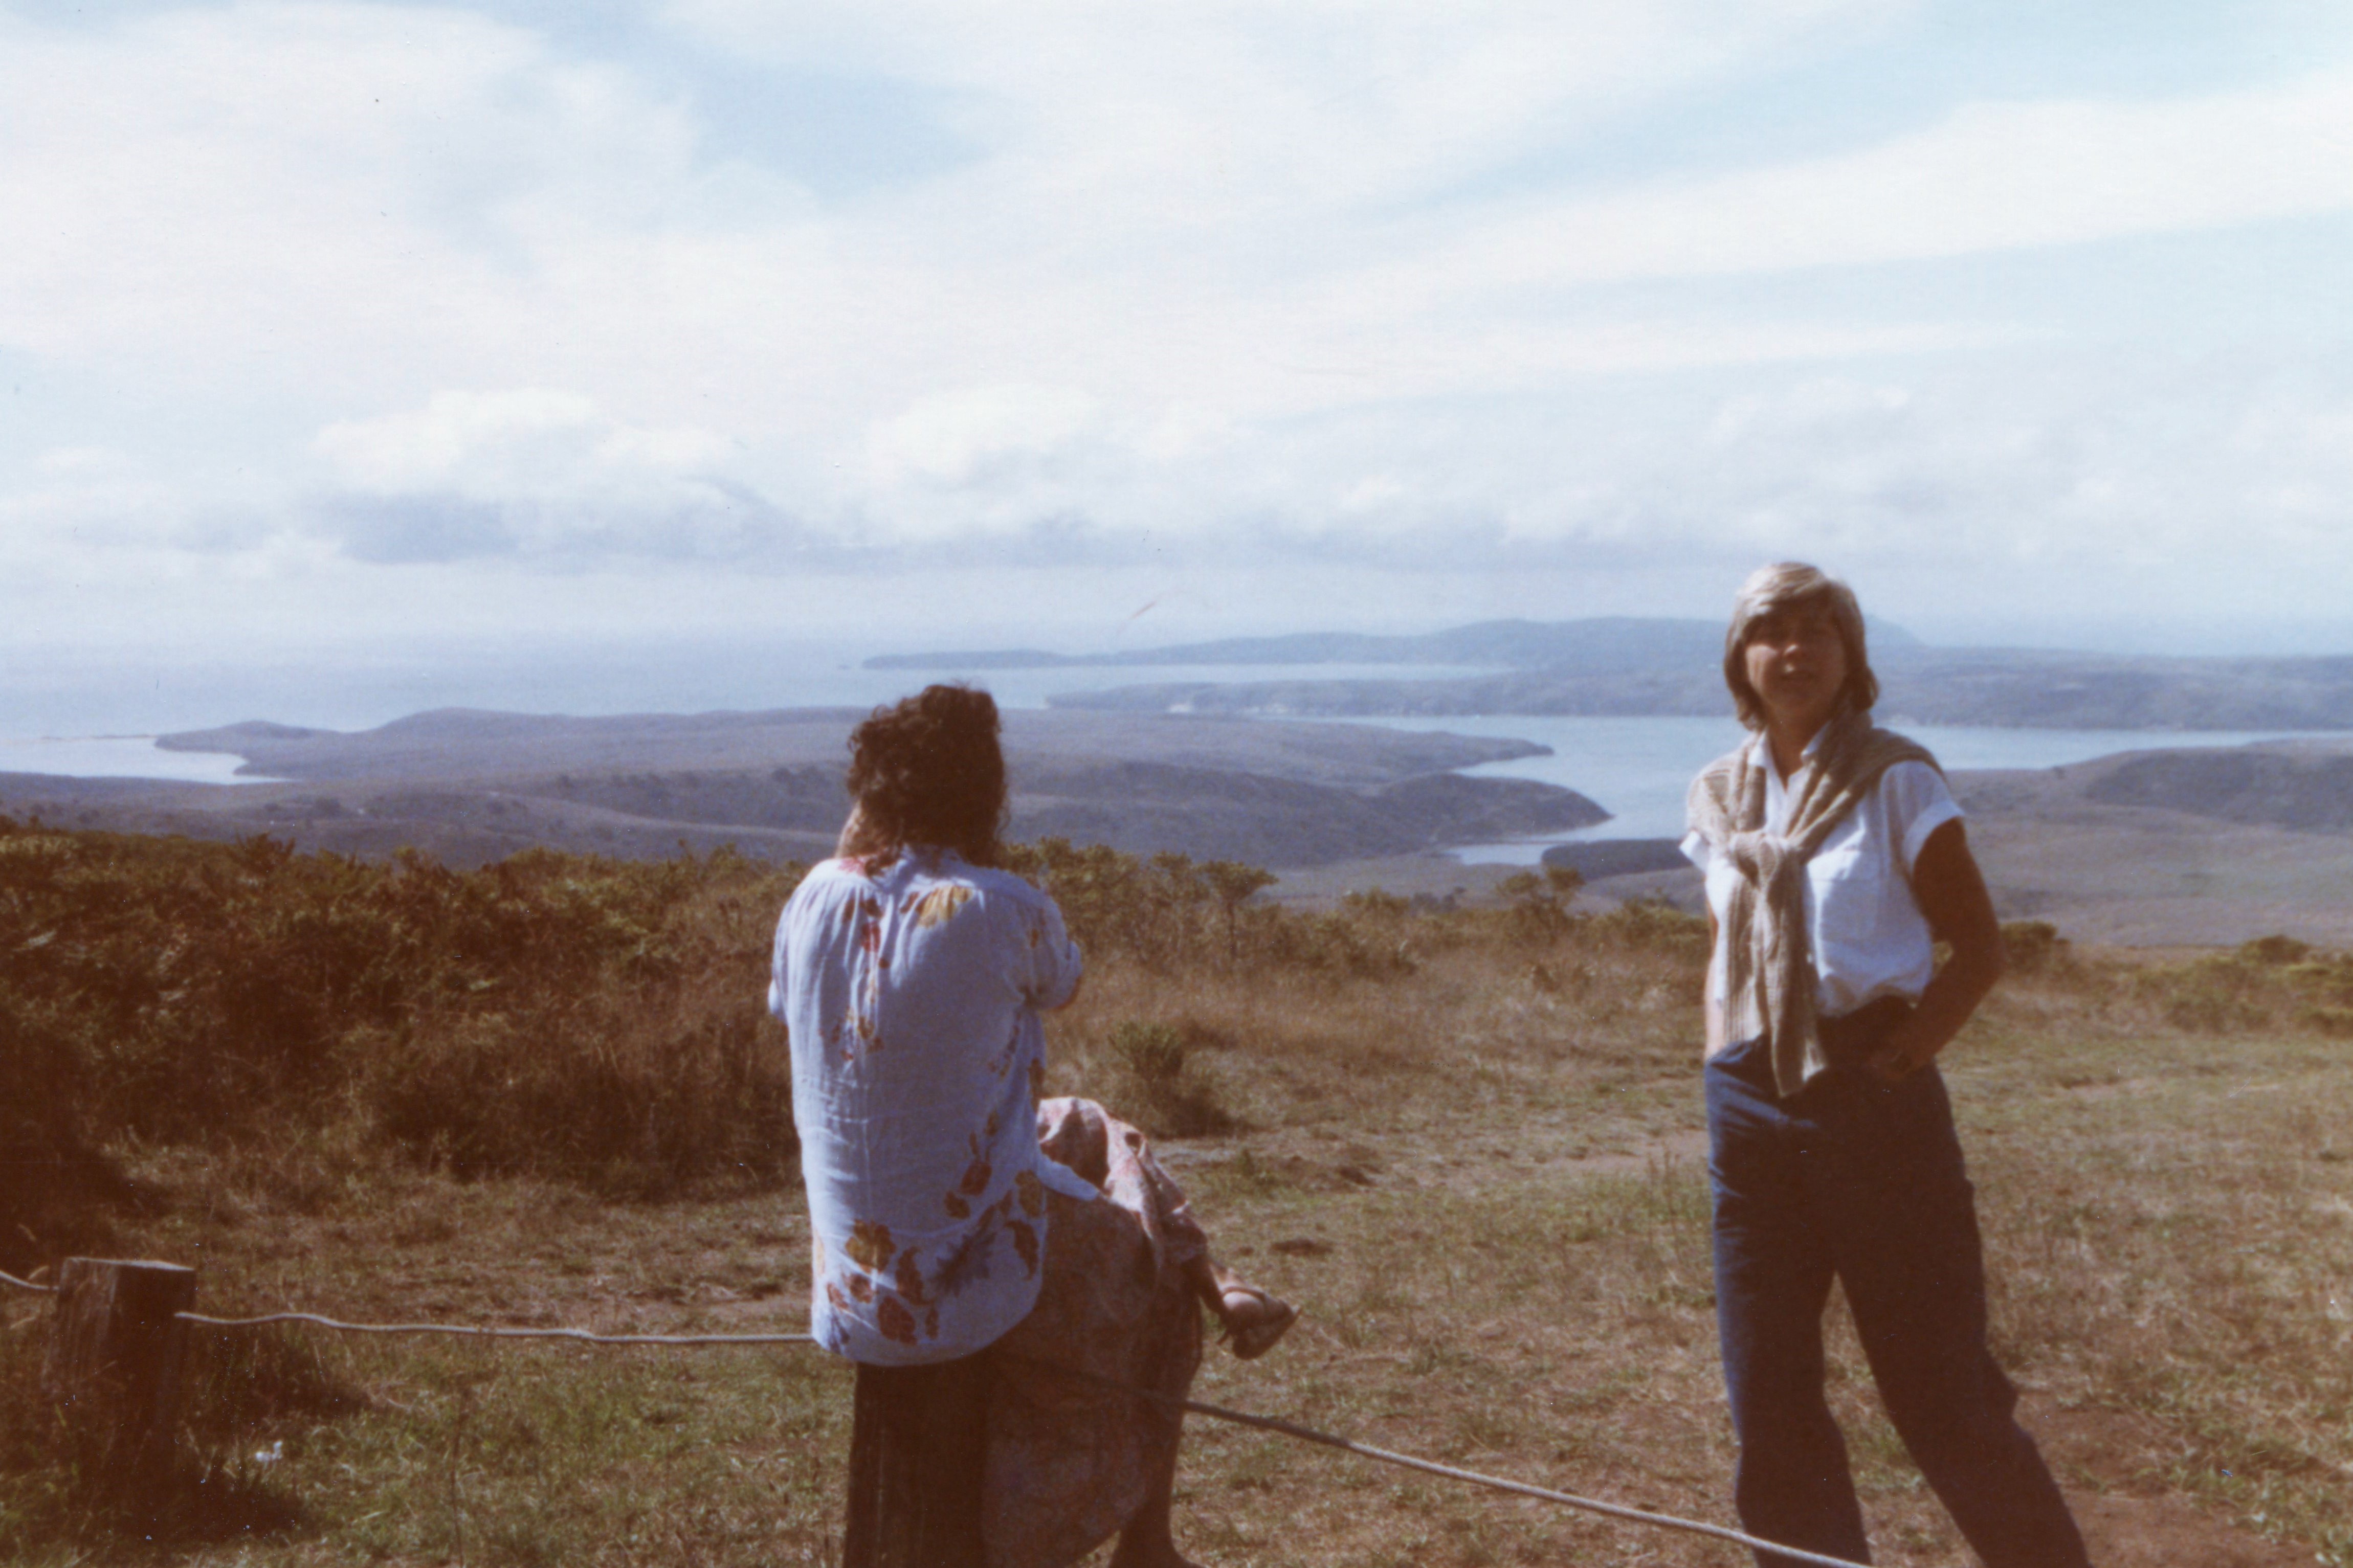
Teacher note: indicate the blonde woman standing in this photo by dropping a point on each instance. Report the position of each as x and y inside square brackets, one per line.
[1835, 860]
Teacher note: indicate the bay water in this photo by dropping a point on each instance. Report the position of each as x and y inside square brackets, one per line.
[95, 721]
[1638, 769]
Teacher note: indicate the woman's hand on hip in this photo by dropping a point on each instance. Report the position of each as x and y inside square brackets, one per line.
[1902, 1055]
[1951, 892]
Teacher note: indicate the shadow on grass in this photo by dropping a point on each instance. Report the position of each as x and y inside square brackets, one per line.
[52, 1499]
[197, 1505]
[56, 1491]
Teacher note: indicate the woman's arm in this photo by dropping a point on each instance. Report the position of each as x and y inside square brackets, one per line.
[1951, 892]
[1715, 1008]
[852, 830]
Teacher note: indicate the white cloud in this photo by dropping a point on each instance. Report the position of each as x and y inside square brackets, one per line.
[403, 285]
[71, 462]
[336, 209]
[534, 472]
[58, 527]
[324, 192]
[530, 440]
[1177, 114]
[1993, 177]
[458, 431]
[954, 438]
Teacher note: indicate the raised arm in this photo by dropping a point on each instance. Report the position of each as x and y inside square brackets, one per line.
[1951, 892]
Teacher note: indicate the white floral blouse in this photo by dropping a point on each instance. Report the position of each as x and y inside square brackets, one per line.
[911, 997]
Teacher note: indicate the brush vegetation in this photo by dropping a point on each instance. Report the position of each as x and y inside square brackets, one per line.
[1464, 1140]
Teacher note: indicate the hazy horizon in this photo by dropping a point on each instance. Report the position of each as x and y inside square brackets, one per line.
[359, 684]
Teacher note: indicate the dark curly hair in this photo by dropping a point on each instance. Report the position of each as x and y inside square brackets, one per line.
[928, 770]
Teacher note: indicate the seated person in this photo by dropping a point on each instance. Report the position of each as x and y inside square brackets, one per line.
[953, 1210]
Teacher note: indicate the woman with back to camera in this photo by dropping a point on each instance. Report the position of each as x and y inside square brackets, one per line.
[1835, 859]
[953, 1210]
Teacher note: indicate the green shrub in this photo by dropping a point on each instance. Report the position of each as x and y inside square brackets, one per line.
[1377, 905]
[2275, 950]
[1652, 925]
[1155, 1082]
[1537, 903]
[2032, 947]
[2336, 1023]
[1152, 1055]
[563, 1014]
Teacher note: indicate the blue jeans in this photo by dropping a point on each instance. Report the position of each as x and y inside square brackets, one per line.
[1862, 1182]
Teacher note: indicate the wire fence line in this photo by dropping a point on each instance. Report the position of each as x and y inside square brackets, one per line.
[579, 1336]
[1193, 1406]
[1452, 1472]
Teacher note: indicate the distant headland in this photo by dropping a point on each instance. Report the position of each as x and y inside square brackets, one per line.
[1638, 667]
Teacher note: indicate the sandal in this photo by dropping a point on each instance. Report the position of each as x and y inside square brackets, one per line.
[1272, 1319]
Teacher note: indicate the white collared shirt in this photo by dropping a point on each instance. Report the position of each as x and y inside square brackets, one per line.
[1864, 927]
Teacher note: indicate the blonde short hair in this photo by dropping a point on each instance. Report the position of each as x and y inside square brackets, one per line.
[1794, 585]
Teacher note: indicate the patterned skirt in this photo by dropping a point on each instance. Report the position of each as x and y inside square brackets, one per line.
[1070, 1460]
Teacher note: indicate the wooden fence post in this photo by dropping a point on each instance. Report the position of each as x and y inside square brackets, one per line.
[115, 1353]
[916, 1450]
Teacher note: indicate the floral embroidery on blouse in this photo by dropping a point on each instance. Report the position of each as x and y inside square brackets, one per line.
[976, 1175]
[894, 1320]
[869, 1246]
[940, 905]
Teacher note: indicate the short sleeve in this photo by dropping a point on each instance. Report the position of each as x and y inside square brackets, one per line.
[779, 955]
[1917, 803]
[1046, 962]
[1697, 850]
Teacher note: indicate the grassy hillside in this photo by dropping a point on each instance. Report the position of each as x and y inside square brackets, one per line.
[1466, 1141]
[2300, 787]
[2133, 849]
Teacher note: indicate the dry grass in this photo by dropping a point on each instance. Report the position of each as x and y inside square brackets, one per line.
[1468, 1152]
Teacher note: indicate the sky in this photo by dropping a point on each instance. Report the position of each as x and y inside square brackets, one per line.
[525, 324]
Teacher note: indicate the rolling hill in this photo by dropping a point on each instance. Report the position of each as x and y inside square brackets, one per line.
[468, 786]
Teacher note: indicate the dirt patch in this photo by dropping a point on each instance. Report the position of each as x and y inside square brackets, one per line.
[2161, 1532]
[2115, 1464]
[2110, 1088]
[2107, 1451]
[1685, 1146]
[1299, 1172]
